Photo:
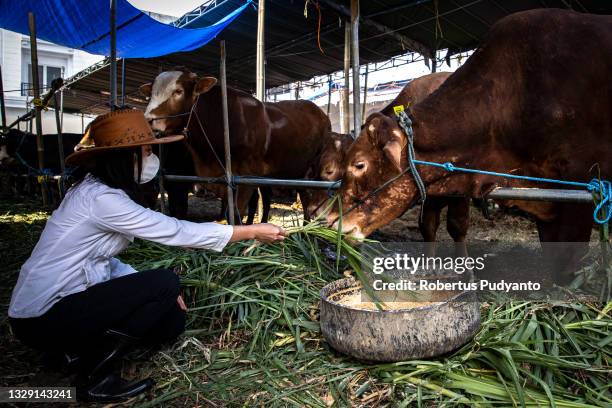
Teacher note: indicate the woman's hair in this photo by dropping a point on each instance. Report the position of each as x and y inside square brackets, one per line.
[115, 168]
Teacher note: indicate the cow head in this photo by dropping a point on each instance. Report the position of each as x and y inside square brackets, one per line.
[173, 93]
[378, 155]
[329, 166]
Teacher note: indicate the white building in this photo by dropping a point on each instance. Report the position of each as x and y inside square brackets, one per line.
[53, 61]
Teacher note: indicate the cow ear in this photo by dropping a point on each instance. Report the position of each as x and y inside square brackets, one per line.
[146, 89]
[372, 128]
[309, 174]
[393, 151]
[204, 84]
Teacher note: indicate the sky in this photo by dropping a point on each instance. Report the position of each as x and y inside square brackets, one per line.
[174, 8]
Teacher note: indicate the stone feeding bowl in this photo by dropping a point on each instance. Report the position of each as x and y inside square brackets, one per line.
[403, 330]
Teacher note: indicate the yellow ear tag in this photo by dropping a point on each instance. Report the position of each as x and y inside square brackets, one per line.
[398, 109]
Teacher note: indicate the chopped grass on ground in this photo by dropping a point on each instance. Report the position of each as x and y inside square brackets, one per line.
[253, 337]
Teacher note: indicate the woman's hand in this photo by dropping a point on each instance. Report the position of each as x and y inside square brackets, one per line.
[267, 233]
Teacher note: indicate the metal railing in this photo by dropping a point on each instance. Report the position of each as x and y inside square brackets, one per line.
[500, 193]
[27, 89]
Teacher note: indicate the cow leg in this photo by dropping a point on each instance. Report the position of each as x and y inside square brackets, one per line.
[243, 196]
[430, 221]
[266, 192]
[483, 205]
[252, 207]
[458, 223]
[223, 215]
[178, 196]
[266, 198]
[565, 239]
[178, 160]
[305, 200]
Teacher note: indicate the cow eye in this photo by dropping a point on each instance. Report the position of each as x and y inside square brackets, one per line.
[178, 92]
[359, 165]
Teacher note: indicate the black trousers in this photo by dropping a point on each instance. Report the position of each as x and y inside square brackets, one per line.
[142, 305]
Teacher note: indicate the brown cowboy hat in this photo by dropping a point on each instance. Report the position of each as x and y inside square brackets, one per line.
[119, 129]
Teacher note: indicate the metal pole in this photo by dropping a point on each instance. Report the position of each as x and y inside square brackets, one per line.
[297, 90]
[329, 92]
[365, 92]
[60, 138]
[355, 59]
[501, 193]
[2, 106]
[28, 125]
[162, 189]
[260, 70]
[113, 54]
[36, 85]
[260, 73]
[258, 182]
[434, 62]
[62, 108]
[122, 82]
[344, 98]
[541, 194]
[226, 138]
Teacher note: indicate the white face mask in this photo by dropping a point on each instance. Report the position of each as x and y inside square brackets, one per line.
[150, 167]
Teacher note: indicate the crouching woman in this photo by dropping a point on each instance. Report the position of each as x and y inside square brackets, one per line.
[74, 299]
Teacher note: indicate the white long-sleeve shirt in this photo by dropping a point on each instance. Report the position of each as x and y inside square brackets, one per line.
[93, 224]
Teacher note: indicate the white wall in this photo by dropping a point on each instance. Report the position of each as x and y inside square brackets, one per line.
[14, 57]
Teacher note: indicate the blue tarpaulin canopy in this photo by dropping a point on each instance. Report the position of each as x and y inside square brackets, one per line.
[85, 25]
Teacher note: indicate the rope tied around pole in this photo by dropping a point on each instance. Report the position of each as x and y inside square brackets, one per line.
[40, 103]
[603, 188]
[603, 210]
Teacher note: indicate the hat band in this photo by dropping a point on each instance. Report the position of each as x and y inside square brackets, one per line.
[125, 140]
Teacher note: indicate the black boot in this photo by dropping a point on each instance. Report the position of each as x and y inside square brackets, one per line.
[61, 361]
[97, 383]
[112, 388]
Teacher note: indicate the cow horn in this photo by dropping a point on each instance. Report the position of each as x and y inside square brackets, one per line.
[204, 84]
[146, 89]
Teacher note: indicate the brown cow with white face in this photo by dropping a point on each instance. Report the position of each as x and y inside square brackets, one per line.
[330, 167]
[510, 108]
[330, 164]
[267, 139]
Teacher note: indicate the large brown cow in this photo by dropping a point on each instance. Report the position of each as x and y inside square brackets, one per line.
[534, 99]
[267, 139]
